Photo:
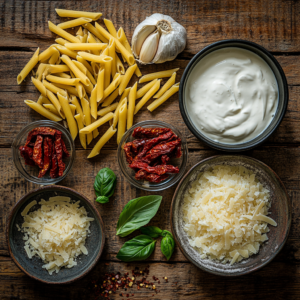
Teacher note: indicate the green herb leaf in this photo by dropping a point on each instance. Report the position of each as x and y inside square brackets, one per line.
[105, 183]
[137, 213]
[167, 245]
[166, 232]
[139, 248]
[152, 231]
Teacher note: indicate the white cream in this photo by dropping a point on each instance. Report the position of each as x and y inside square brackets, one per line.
[231, 95]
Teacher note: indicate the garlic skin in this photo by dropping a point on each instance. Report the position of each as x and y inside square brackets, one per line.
[172, 39]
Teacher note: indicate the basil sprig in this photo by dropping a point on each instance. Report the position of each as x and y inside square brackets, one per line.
[138, 248]
[167, 244]
[152, 231]
[137, 213]
[105, 183]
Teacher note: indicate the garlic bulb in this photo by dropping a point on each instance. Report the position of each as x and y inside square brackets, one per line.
[158, 39]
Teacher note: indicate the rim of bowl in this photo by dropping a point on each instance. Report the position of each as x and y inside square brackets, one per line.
[263, 263]
[240, 146]
[15, 152]
[63, 188]
[162, 186]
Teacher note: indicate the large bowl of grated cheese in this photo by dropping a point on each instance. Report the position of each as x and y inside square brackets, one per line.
[55, 234]
[230, 215]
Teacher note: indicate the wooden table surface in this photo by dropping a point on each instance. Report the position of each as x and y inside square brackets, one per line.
[273, 24]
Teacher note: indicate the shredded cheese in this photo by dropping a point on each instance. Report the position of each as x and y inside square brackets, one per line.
[225, 214]
[56, 232]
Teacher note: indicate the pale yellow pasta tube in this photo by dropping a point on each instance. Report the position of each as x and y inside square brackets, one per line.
[95, 131]
[40, 71]
[66, 81]
[46, 54]
[96, 68]
[61, 41]
[100, 85]
[128, 74]
[122, 121]
[116, 114]
[77, 14]
[54, 89]
[166, 86]
[64, 34]
[66, 51]
[83, 69]
[57, 69]
[82, 137]
[73, 109]
[98, 59]
[97, 123]
[131, 105]
[107, 69]
[147, 96]
[81, 90]
[29, 66]
[80, 32]
[71, 90]
[85, 63]
[164, 97]
[74, 23]
[56, 103]
[111, 98]
[119, 65]
[112, 54]
[51, 108]
[125, 94]
[102, 112]
[157, 75]
[39, 86]
[74, 101]
[110, 27]
[114, 84]
[43, 100]
[54, 57]
[86, 46]
[63, 75]
[83, 78]
[95, 32]
[142, 91]
[93, 102]
[42, 111]
[87, 117]
[103, 140]
[92, 40]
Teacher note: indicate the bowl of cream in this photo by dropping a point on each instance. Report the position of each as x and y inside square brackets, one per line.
[233, 95]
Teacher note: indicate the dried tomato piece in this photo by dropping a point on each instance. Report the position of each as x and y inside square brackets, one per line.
[47, 156]
[178, 152]
[137, 144]
[38, 151]
[158, 170]
[128, 153]
[141, 132]
[39, 131]
[165, 159]
[27, 152]
[54, 166]
[143, 175]
[59, 154]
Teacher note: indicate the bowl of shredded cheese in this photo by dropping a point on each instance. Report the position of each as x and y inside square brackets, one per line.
[55, 235]
[230, 215]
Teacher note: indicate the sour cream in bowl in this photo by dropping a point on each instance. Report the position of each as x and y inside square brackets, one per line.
[233, 95]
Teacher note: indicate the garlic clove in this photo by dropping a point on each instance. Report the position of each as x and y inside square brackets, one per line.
[149, 47]
[141, 37]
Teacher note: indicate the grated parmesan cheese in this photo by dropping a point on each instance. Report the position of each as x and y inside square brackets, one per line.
[56, 232]
[225, 214]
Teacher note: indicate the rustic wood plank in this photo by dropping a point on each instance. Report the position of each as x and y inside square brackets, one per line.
[23, 23]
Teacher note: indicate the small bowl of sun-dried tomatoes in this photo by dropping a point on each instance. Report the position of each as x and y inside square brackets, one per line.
[153, 155]
[43, 152]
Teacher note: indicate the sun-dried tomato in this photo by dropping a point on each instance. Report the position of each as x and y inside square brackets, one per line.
[47, 156]
[54, 166]
[27, 152]
[165, 159]
[178, 152]
[137, 145]
[128, 153]
[38, 151]
[158, 170]
[141, 132]
[143, 175]
[39, 131]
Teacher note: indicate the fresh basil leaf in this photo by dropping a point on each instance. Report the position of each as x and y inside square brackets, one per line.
[152, 231]
[102, 199]
[167, 246]
[166, 232]
[105, 183]
[138, 248]
[137, 213]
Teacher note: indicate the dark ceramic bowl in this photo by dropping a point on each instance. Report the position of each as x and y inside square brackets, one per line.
[33, 267]
[283, 94]
[280, 211]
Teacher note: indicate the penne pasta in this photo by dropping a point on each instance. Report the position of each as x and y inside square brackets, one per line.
[95, 32]
[79, 111]
[42, 111]
[54, 89]
[112, 54]
[128, 74]
[96, 68]
[114, 84]
[83, 78]
[81, 90]
[95, 131]
[51, 108]
[125, 94]
[80, 32]
[82, 137]
[87, 117]
[61, 41]
[95, 58]
[119, 65]
[92, 40]
[73, 108]
[166, 86]
[102, 112]
[116, 114]
[86, 46]
[142, 91]
[110, 27]
[107, 70]
[40, 71]
[63, 75]
[85, 63]
[122, 121]
[71, 90]
[102, 141]
[96, 124]
[77, 14]
[66, 81]
[39, 86]
[131, 105]
[57, 69]
[46, 54]
[164, 97]
[111, 98]
[29, 66]
[84, 39]
[66, 51]
[56, 103]
[100, 86]
[80, 66]
[93, 102]
[74, 23]
[54, 57]
[147, 96]
[157, 75]
[43, 100]
[64, 34]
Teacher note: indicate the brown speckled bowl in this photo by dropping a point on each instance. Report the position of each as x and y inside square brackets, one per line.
[33, 267]
[280, 212]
